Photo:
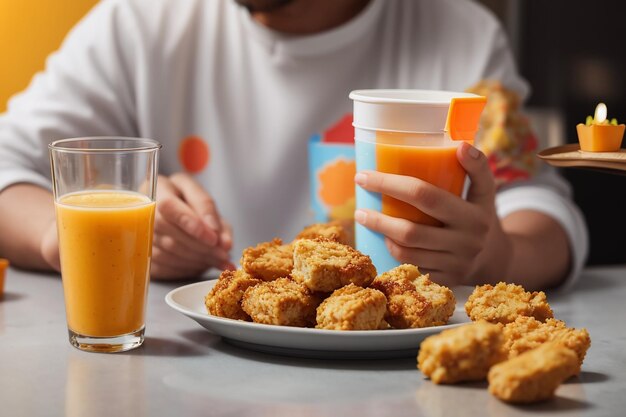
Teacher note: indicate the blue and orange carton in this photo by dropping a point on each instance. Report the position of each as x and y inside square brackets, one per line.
[332, 167]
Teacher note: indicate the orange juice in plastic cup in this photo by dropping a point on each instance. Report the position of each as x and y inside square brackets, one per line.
[414, 133]
[104, 196]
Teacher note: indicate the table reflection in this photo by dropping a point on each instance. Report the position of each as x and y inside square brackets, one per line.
[97, 382]
[446, 400]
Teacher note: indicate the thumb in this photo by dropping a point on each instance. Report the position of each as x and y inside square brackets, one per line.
[483, 187]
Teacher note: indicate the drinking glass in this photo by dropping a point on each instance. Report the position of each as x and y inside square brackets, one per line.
[104, 192]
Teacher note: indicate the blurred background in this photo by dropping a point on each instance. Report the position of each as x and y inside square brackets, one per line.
[573, 55]
[571, 52]
[29, 31]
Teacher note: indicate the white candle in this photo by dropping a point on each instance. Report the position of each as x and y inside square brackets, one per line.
[600, 114]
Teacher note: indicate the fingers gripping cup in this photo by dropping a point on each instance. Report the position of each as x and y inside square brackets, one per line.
[414, 133]
[104, 192]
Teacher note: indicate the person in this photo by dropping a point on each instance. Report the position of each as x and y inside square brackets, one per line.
[234, 88]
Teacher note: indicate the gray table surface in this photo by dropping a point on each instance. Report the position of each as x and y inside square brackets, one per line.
[183, 370]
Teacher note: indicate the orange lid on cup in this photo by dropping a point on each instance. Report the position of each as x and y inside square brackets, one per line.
[464, 116]
[415, 111]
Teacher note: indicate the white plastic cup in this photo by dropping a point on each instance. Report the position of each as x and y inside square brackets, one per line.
[402, 132]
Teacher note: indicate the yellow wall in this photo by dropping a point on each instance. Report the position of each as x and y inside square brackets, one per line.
[29, 31]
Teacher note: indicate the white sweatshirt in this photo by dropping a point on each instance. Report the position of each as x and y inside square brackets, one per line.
[169, 70]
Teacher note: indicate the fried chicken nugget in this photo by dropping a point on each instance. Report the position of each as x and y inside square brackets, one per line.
[282, 302]
[534, 375]
[334, 231]
[324, 265]
[352, 308]
[465, 353]
[440, 296]
[268, 260]
[505, 302]
[224, 299]
[413, 300]
[527, 333]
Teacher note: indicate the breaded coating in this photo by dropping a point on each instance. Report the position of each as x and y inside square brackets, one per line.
[462, 354]
[534, 375]
[352, 308]
[268, 260]
[505, 302]
[324, 265]
[527, 333]
[413, 300]
[224, 299]
[440, 296]
[334, 231]
[282, 302]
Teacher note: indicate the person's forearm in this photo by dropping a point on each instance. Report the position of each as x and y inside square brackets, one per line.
[535, 252]
[541, 250]
[26, 214]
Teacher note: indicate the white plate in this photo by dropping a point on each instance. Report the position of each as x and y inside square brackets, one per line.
[303, 342]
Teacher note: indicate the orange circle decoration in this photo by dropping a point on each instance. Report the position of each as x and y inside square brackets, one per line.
[337, 182]
[193, 153]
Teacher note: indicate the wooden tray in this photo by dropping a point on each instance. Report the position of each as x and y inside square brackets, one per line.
[570, 156]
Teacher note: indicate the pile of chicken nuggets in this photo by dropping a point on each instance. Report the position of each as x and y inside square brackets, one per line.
[513, 341]
[318, 280]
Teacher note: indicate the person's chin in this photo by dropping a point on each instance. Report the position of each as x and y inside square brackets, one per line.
[263, 6]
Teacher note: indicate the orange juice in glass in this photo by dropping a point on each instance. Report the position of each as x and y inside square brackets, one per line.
[105, 191]
[409, 132]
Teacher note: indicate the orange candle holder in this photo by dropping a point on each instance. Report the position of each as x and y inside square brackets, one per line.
[600, 137]
[3, 266]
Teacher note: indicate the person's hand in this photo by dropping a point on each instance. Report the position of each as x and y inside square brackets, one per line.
[471, 242]
[189, 234]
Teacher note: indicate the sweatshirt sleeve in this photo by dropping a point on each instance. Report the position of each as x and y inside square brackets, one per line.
[85, 90]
